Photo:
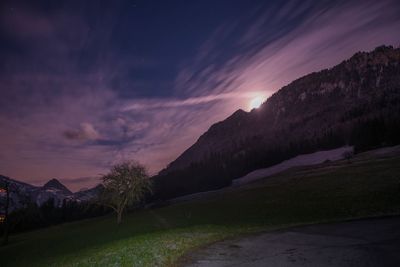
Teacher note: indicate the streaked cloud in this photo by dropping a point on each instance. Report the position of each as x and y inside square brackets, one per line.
[144, 104]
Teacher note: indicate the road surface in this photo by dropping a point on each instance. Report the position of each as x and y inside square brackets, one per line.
[372, 242]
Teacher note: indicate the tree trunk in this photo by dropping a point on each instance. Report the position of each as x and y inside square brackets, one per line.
[119, 216]
[120, 210]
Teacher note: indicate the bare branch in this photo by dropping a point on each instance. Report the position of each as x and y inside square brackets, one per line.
[126, 183]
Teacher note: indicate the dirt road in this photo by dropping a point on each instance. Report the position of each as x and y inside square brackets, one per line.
[372, 242]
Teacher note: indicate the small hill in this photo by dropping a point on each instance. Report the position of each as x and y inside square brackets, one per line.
[368, 186]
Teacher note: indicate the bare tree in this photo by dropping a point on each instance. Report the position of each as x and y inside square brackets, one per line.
[127, 183]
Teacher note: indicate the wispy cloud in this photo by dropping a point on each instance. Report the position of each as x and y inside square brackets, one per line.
[145, 104]
[319, 40]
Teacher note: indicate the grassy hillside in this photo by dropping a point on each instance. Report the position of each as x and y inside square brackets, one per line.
[157, 237]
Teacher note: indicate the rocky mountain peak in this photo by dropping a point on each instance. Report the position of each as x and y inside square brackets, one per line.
[55, 184]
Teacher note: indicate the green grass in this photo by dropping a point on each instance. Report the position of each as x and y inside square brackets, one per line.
[158, 237]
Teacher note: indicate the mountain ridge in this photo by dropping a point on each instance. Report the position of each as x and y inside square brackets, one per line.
[21, 193]
[361, 57]
[356, 102]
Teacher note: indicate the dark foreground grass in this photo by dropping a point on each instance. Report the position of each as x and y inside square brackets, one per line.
[158, 237]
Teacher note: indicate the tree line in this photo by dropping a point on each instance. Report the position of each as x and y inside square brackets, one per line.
[219, 169]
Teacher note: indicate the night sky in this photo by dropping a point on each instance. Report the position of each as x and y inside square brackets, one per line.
[85, 84]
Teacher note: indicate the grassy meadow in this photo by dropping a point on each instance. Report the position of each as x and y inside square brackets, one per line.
[366, 186]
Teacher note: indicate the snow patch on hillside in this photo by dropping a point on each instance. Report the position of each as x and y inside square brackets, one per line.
[301, 160]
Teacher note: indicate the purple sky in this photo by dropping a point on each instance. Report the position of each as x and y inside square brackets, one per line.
[83, 87]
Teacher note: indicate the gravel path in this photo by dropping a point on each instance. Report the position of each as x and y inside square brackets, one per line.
[372, 242]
